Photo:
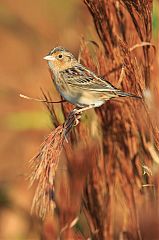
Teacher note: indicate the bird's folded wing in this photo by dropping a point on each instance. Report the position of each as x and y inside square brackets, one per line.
[80, 77]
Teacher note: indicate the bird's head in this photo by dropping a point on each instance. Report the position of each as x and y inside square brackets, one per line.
[60, 59]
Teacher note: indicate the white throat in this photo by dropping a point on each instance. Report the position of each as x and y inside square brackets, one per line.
[52, 68]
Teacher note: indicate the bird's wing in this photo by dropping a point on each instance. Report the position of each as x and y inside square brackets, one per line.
[80, 77]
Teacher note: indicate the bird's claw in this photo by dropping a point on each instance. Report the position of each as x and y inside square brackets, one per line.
[72, 120]
[77, 118]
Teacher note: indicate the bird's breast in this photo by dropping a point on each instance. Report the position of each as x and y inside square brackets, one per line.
[74, 95]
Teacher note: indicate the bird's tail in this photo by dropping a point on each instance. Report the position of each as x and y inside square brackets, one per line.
[124, 94]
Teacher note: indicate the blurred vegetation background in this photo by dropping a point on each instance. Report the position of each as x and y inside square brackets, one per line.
[29, 29]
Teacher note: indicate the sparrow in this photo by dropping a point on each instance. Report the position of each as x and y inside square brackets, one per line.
[77, 84]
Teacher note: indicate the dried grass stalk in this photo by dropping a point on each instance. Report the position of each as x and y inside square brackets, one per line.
[44, 165]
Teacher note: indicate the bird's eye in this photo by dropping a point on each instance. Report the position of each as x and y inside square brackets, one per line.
[60, 56]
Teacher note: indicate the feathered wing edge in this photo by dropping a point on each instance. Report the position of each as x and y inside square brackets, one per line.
[125, 94]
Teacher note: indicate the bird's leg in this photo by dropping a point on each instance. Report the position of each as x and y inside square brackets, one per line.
[74, 116]
[77, 117]
[79, 111]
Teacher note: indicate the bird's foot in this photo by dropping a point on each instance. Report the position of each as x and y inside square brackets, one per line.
[77, 118]
[72, 120]
[76, 114]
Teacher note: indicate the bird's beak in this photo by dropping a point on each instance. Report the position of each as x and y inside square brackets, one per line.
[49, 58]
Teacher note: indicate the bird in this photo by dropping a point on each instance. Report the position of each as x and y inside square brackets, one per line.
[77, 84]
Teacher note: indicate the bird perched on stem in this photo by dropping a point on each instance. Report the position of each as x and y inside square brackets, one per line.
[77, 84]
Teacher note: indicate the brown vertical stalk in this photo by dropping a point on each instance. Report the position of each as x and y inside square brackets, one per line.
[114, 188]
